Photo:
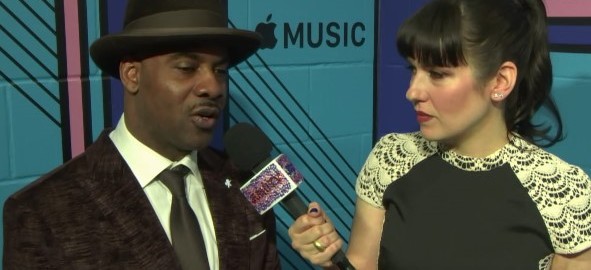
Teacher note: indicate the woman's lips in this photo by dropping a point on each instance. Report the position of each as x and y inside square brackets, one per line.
[423, 117]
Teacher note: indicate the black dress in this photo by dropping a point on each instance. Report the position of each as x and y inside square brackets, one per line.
[510, 210]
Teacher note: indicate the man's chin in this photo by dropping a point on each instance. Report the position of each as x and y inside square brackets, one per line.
[202, 140]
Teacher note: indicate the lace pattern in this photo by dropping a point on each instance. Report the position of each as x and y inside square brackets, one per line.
[546, 262]
[561, 191]
[391, 158]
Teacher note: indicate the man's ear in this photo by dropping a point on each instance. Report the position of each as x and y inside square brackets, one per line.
[129, 73]
[504, 81]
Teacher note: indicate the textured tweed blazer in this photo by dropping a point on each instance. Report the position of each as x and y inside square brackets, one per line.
[91, 213]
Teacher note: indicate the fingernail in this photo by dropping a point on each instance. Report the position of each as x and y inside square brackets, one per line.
[313, 210]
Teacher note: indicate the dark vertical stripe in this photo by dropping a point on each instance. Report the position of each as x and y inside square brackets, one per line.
[107, 105]
[85, 72]
[107, 113]
[115, 11]
[62, 75]
[376, 67]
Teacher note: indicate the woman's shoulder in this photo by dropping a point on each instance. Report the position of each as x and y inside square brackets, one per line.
[393, 156]
[562, 192]
[396, 153]
[526, 156]
[406, 144]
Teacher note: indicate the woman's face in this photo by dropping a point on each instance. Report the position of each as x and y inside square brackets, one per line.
[450, 106]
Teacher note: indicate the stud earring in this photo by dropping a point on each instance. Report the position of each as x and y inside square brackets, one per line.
[497, 95]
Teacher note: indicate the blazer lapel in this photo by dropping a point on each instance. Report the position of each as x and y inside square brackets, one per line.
[122, 200]
[227, 210]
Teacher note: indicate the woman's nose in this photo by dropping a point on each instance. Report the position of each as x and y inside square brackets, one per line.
[415, 92]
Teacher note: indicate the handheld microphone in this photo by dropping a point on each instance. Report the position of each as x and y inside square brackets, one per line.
[275, 179]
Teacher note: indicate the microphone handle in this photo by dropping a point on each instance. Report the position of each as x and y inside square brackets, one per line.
[296, 207]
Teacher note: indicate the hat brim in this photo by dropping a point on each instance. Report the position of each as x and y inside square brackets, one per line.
[108, 51]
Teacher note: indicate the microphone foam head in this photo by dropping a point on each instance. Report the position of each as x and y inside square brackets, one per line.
[247, 145]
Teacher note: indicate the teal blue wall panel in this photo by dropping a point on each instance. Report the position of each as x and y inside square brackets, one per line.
[37, 142]
[5, 143]
[342, 98]
[28, 32]
[572, 92]
[249, 94]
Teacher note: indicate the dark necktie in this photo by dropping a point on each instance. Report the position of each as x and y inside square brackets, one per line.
[187, 239]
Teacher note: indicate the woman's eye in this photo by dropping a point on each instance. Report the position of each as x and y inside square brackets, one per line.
[412, 69]
[436, 74]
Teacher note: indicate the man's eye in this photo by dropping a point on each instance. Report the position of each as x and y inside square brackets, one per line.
[186, 68]
[222, 71]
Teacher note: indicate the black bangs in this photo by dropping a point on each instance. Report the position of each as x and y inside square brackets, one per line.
[432, 37]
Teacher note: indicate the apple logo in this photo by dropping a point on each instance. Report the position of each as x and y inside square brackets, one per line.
[267, 30]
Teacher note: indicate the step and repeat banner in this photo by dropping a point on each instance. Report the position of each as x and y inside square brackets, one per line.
[326, 85]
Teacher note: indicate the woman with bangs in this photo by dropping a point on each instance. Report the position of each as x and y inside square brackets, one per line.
[473, 189]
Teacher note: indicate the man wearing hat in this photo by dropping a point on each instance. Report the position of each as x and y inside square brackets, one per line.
[151, 194]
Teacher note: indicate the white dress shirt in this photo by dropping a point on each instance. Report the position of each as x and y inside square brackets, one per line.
[146, 164]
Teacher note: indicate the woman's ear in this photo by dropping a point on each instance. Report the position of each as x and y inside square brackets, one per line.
[504, 81]
[129, 73]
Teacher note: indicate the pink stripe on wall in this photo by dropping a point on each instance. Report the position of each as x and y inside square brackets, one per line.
[73, 71]
[568, 8]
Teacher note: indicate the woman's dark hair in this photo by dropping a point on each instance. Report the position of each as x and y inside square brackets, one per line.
[485, 34]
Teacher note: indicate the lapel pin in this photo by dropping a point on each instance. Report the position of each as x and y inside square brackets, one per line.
[228, 183]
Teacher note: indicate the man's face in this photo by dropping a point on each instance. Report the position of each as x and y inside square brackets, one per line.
[178, 100]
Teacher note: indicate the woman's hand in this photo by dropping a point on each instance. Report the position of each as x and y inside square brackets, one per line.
[313, 235]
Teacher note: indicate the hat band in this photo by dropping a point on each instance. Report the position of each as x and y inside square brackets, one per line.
[178, 19]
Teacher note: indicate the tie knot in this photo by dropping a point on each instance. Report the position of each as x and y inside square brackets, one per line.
[174, 180]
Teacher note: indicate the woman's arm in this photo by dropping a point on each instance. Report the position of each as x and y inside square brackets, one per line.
[364, 244]
[579, 261]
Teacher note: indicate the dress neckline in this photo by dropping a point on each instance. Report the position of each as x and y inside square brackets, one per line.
[494, 160]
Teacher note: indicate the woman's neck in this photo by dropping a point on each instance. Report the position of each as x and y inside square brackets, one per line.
[481, 140]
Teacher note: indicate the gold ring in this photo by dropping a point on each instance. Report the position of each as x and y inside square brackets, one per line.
[319, 246]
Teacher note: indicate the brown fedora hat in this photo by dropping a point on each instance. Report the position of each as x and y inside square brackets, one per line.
[158, 26]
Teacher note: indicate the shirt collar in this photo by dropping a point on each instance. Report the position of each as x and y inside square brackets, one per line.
[144, 162]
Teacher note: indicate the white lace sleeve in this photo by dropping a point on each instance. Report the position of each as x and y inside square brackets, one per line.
[546, 262]
[562, 193]
[392, 157]
[568, 215]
